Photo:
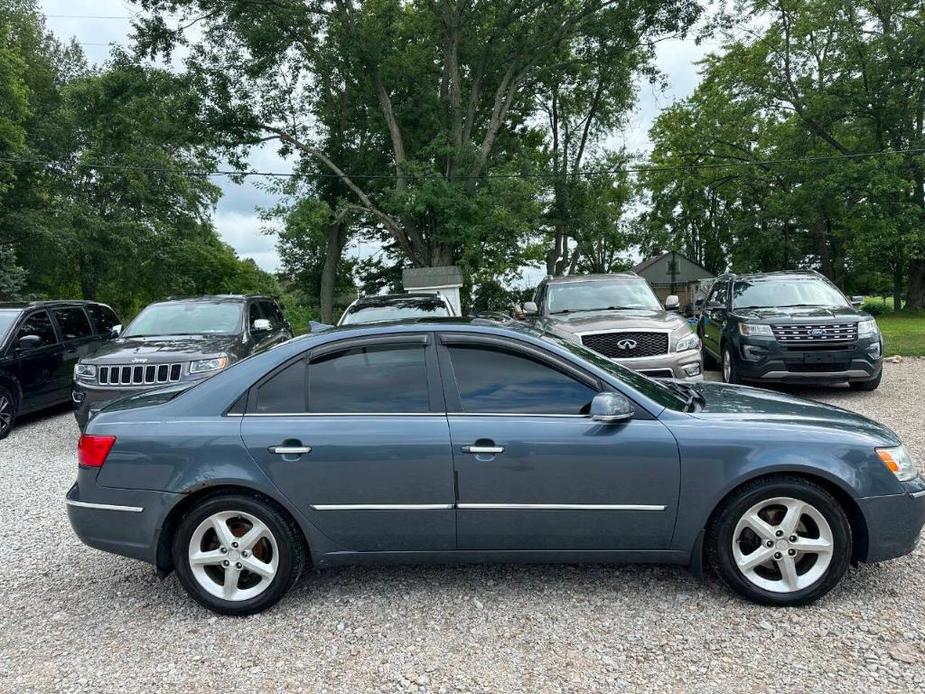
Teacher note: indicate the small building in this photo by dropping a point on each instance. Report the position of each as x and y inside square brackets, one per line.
[674, 273]
[445, 281]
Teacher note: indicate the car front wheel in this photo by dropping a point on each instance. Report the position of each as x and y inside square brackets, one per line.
[730, 375]
[237, 554]
[784, 541]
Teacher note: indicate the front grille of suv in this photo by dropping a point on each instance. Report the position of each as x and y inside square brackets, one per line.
[627, 345]
[129, 375]
[813, 334]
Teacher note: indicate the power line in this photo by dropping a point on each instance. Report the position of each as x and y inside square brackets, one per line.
[87, 16]
[207, 173]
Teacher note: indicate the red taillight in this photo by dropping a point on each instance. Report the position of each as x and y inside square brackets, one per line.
[92, 450]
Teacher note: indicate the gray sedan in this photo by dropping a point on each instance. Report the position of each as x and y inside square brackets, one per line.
[475, 442]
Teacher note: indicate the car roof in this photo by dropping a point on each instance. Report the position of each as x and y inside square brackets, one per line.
[778, 275]
[214, 298]
[47, 303]
[593, 278]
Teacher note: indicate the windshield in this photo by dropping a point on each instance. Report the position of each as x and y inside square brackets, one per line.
[7, 318]
[398, 311]
[771, 293]
[652, 389]
[193, 318]
[598, 295]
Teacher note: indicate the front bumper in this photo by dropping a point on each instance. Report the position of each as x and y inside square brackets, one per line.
[121, 521]
[763, 359]
[683, 366]
[894, 524]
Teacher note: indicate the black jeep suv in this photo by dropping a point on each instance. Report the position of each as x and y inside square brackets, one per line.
[39, 344]
[789, 327]
[177, 341]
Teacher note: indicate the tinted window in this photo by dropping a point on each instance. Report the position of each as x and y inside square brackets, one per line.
[73, 323]
[383, 378]
[102, 317]
[285, 392]
[38, 324]
[270, 313]
[496, 381]
[719, 293]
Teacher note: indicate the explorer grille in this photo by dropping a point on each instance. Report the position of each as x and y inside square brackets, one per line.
[627, 345]
[808, 334]
[138, 374]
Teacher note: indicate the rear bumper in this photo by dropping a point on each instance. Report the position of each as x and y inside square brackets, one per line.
[121, 521]
[894, 524]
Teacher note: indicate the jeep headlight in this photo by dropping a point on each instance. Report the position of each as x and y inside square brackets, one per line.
[206, 365]
[868, 328]
[899, 462]
[84, 372]
[687, 342]
[749, 329]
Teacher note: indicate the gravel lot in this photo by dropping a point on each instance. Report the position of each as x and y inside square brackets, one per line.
[74, 619]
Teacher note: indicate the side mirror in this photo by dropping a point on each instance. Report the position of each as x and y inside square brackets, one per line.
[611, 407]
[29, 342]
[672, 303]
[857, 301]
[530, 308]
[261, 325]
[116, 331]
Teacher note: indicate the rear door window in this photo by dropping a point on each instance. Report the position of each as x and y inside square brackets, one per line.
[73, 323]
[38, 324]
[495, 381]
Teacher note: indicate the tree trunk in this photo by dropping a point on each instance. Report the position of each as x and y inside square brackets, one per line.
[898, 283]
[916, 283]
[334, 250]
[821, 242]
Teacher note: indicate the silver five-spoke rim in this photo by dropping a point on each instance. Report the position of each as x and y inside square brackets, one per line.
[233, 555]
[782, 545]
[6, 413]
[727, 366]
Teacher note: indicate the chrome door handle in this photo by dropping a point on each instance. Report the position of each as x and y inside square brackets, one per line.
[483, 449]
[290, 450]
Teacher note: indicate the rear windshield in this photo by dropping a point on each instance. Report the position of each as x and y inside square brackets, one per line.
[193, 318]
[7, 319]
[778, 293]
[573, 297]
[395, 311]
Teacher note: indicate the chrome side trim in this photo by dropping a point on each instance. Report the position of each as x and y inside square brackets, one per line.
[562, 507]
[343, 414]
[515, 414]
[917, 495]
[382, 507]
[105, 507]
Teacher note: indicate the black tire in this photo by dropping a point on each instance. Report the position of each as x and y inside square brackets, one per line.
[872, 384]
[8, 411]
[292, 552]
[720, 533]
[733, 376]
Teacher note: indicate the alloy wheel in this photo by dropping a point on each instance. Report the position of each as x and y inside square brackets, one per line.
[782, 545]
[233, 555]
[6, 414]
[727, 366]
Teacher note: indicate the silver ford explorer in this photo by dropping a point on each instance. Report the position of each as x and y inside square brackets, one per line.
[619, 316]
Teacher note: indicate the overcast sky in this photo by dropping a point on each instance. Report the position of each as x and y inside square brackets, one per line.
[97, 23]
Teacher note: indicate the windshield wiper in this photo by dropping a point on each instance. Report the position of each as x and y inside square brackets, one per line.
[691, 396]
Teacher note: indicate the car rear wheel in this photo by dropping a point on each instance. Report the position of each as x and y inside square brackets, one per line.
[237, 554]
[728, 367]
[784, 541]
[7, 412]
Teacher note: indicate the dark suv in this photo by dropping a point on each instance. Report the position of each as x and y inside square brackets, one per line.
[39, 344]
[789, 327]
[177, 341]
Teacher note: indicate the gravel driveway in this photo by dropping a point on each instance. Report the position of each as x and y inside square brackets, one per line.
[74, 619]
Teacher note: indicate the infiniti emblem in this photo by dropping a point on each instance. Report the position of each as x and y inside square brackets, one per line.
[626, 344]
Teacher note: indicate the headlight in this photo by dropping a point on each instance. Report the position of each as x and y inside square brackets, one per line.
[899, 462]
[755, 329]
[687, 342]
[204, 365]
[868, 328]
[84, 372]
